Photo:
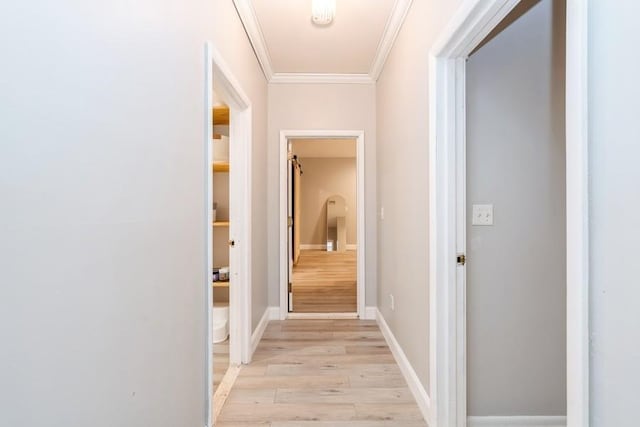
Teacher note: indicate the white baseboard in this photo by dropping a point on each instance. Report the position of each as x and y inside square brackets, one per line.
[370, 313]
[416, 387]
[270, 313]
[526, 421]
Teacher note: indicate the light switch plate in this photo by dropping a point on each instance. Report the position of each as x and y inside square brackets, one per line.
[482, 215]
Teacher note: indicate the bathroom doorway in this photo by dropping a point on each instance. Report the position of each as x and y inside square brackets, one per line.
[322, 245]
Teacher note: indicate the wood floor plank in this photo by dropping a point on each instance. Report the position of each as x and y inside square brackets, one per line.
[286, 412]
[344, 395]
[388, 412]
[254, 395]
[289, 381]
[321, 373]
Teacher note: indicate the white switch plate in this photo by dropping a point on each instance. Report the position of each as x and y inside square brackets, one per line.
[482, 215]
[382, 212]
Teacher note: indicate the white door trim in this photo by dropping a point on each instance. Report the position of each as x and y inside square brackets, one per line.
[240, 190]
[285, 135]
[447, 81]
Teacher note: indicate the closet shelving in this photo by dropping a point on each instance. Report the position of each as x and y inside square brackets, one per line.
[220, 118]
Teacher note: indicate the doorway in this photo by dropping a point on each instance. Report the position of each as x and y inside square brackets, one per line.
[473, 22]
[515, 276]
[228, 229]
[322, 243]
[323, 233]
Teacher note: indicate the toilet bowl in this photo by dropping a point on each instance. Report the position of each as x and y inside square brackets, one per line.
[220, 322]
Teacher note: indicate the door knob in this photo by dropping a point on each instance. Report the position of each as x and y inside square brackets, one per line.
[232, 243]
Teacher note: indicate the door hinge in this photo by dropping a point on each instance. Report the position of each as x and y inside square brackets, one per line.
[289, 221]
[461, 259]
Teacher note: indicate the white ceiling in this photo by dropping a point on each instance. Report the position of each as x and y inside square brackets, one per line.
[352, 49]
[347, 46]
[324, 147]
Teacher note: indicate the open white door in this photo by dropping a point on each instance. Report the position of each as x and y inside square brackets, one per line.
[290, 222]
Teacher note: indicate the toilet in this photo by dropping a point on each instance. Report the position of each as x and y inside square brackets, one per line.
[220, 322]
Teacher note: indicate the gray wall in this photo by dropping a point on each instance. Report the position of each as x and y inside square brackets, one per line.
[322, 178]
[614, 144]
[402, 111]
[516, 275]
[102, 235]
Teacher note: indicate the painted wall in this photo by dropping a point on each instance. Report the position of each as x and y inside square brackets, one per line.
[614, 144]
[233, 44]
[322, 178]
[318, 107]
[402, 179]
[516, 275]
[102, 302]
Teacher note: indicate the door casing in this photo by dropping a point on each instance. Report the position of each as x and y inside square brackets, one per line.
[285, 136]
[240, 190]
[447, 238]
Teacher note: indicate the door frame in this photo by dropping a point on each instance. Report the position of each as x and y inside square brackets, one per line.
[240, 132]
[358, 135]
[447, 89]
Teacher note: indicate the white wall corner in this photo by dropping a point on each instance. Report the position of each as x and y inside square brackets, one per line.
[274, 313]
[394, 23]
[523, 421]
[270, 313]
[370, 313]
[416, 387]
[247, 15]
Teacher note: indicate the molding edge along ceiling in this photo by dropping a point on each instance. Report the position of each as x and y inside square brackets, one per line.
[249, 19]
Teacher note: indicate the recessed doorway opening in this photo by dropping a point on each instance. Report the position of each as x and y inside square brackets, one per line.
[322, 247]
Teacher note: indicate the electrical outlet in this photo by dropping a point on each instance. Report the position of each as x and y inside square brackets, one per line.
[392, 302]
[482, 215]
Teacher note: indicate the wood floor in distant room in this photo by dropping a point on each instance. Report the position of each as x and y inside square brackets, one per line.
[325, 282]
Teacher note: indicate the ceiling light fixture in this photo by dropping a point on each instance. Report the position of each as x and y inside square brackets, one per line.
[323, 11]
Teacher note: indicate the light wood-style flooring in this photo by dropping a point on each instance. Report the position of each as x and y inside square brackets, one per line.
[321, 373]
[325, 282]
[220, 362]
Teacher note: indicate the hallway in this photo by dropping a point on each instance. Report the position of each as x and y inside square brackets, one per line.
[321, 373]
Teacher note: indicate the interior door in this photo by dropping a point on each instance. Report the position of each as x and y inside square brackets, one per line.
[290, 222]
[297, 172]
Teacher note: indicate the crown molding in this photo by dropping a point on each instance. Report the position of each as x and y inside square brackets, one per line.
[250, 22]
[394, 23]
[247, 15]
[320, 78]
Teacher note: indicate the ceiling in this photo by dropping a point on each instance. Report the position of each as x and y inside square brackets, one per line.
[323, 147]
[353, 48]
